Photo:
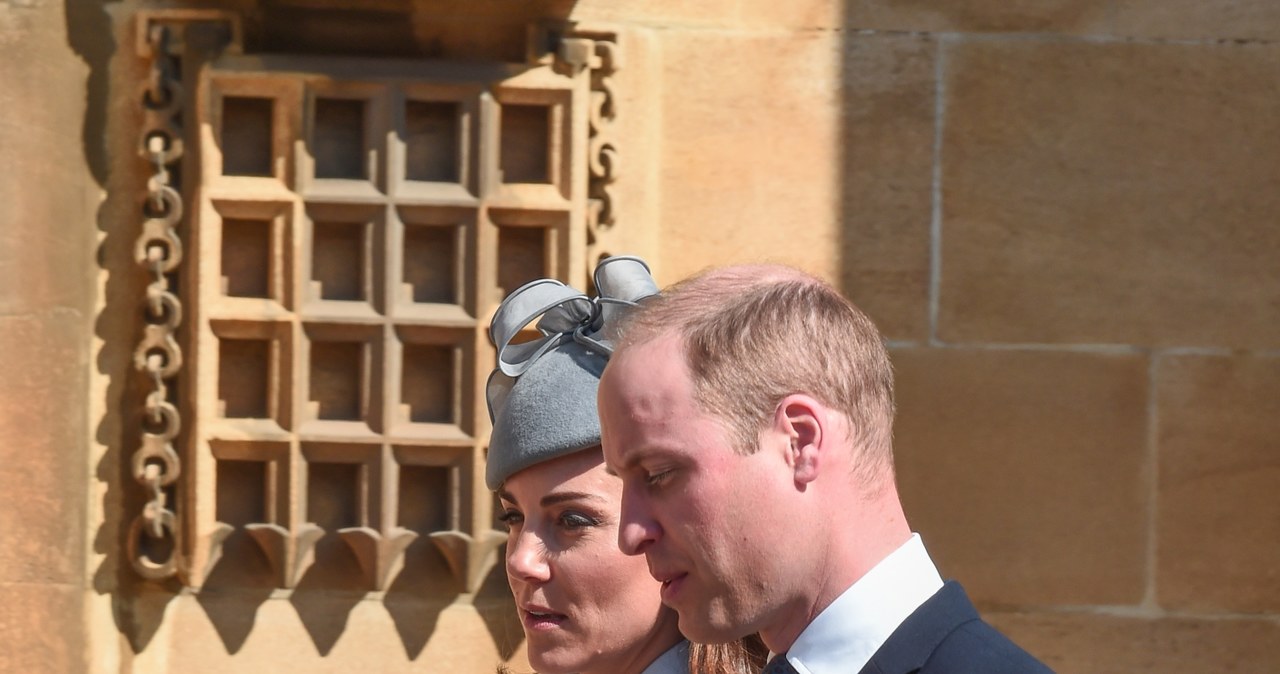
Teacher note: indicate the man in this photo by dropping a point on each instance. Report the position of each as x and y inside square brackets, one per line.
[749, 412]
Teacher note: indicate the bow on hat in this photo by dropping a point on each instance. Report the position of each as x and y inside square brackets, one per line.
[566, 314]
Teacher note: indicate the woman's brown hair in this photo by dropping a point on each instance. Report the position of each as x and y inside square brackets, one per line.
[744, 656]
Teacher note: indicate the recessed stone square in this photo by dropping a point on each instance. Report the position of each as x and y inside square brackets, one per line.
[242, 490]
[333, 495]
[247, 147]
[244, 375]
[431, 260]
[526, 147]
[340, 260]
[246, 257]
[338, 380]
[428, 383]
[522, 255]
[338, 142]
[424, 498]
[431, 141]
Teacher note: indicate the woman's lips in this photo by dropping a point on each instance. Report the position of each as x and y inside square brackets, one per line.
[540, 619]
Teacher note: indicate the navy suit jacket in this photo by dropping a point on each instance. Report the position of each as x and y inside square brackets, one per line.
[946, 635]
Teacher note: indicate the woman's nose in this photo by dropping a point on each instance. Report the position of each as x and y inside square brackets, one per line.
[527, 558]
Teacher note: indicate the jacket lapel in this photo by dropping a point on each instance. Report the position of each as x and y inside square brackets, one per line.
[914, 641]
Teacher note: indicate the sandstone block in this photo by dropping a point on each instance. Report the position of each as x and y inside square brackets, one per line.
[889, 99]
[667, 13]
[41, 629]
[797, 14]
[1023, 471]
[1106, 644]
[1230, 20]
[1111, 193]
[42, 467]
[971, 16]
[46, 188]
[1219, 514]
[749, 143]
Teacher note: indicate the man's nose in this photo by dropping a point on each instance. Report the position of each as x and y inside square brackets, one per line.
[637, 530]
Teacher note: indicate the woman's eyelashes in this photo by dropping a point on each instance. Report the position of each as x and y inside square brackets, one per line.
[511, 518]
[574, 521]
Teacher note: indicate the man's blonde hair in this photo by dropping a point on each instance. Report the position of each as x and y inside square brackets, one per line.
[755, 334]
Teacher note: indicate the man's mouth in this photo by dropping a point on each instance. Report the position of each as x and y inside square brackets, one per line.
[671, 585]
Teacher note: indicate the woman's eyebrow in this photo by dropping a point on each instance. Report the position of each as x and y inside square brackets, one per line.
[562, 496]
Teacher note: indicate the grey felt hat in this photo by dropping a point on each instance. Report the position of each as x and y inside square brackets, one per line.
[542, 395]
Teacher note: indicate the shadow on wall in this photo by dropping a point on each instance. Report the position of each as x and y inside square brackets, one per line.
[90, 30]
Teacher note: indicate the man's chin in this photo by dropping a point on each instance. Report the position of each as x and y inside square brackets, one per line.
[702, 629]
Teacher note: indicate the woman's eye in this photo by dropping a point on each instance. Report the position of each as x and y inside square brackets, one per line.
[511, 519]
[577, 521]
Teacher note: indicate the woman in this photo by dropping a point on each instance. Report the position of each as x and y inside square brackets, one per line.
[584, 605]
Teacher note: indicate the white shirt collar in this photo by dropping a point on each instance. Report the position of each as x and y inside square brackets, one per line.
[674, 661]
[844, 636]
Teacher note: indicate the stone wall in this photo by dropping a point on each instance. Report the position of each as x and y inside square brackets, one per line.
[49, 184]
[1063, 217]
[1061, 214]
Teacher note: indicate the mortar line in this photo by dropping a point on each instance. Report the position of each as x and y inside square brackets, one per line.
[1149, 593]
[1110, 36]
[1084, 347]
[1105, 349]
[935, 215]
[1133, 612]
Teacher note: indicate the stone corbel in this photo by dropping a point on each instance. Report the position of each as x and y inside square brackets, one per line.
[380, 557]
[290, 555]
[470, 558]
[208, 550]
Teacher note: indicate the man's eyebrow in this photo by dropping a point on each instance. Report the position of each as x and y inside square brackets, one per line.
[633, 459]
[506, 495]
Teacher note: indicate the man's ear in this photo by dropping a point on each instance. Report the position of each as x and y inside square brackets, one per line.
[801, 419]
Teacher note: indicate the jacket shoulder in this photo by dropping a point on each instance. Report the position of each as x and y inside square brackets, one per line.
[976, 646]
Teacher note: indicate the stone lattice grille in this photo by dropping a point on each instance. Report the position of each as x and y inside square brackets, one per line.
[356, 224]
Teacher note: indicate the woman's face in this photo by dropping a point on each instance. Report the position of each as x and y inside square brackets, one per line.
[585, 606]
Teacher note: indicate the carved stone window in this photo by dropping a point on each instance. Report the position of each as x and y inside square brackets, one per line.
[354, 224]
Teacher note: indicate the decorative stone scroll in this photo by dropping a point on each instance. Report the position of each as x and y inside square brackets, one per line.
[598, 53]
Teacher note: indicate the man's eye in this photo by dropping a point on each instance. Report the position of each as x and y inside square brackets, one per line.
[511, 519]
[655, 479]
